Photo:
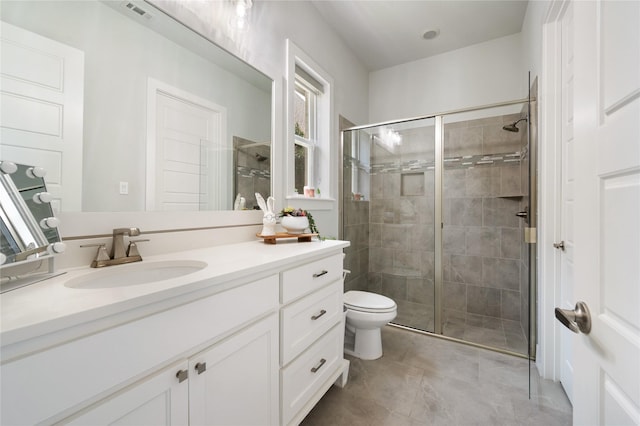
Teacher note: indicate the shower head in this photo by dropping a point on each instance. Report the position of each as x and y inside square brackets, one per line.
[512, 127]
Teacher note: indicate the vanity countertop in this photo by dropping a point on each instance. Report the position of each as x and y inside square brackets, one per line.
[49, 307]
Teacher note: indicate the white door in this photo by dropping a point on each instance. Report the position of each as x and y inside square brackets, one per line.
[607, 210]
[566, 247]
[42, 110]
[236, 382]
[186, 149]
[162, 400]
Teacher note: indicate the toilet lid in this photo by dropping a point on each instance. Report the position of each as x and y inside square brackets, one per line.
[365, 301]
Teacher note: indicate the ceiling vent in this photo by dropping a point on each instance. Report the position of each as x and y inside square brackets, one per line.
[136, 9]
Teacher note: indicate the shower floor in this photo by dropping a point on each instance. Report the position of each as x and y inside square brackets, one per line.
[493, 332]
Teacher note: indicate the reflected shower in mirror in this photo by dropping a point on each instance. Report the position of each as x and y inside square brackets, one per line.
[136, 111]
[252, 171]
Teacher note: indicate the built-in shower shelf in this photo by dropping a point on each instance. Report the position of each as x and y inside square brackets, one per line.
[401, 272]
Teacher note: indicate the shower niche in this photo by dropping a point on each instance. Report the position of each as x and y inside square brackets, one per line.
[438, 230]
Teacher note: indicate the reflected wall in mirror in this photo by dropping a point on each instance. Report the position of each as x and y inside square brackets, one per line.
[134, 110]
[28, 225]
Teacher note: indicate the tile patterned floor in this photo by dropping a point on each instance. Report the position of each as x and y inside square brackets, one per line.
[493, 332]
[423, 380]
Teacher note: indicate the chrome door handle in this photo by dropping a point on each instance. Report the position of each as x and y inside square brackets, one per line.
[577, 320]
[559, 245]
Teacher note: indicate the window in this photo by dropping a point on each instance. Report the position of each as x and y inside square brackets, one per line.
[309, 126]
[305, 135]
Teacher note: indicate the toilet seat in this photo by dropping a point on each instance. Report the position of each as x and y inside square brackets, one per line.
[364, 301]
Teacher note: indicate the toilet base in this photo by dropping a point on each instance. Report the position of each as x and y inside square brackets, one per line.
[363, 344]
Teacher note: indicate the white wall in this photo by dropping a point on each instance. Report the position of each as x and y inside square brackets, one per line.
[481, 74]
[532, 36]
[263, 45]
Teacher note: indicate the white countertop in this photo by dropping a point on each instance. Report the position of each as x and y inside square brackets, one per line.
[49, 306]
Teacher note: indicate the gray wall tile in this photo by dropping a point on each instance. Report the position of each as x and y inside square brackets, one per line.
[483, 301]
[501, 273]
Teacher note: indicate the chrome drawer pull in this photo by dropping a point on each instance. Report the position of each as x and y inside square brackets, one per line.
[182, 375]
[201, 367]
[324, 272]
[315, 369]
[315, 317]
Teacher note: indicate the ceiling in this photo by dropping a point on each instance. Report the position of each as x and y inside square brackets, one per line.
[387, 33]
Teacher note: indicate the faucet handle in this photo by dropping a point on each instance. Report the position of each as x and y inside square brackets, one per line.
[132, 250]
[101, 254]
[127, 231]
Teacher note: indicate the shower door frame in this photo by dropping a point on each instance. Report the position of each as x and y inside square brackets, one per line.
[530, 230]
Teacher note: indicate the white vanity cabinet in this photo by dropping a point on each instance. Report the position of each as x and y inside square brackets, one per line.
[245, 342]
[96, 371]
[231, 383]
[312, 335]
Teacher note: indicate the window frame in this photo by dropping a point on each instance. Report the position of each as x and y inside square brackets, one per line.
[322, 164]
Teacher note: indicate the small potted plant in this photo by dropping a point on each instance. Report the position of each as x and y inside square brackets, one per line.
[296, 221]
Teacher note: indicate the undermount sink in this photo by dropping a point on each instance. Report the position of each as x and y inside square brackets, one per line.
[135, 274]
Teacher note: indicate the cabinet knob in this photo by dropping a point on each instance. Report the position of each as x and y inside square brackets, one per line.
[319, 274]
[201, 367]
[319, 366]
[315, 317]
[182, 375]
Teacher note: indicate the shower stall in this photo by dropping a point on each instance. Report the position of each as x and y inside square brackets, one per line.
[438, 212]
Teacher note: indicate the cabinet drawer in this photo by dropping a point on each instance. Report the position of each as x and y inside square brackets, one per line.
[309, 318]
[308, 373]
[306, 278]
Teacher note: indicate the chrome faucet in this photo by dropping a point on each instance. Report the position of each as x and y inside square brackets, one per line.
[118, 255]
[117, 248]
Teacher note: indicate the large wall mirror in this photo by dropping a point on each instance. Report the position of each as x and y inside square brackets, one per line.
[129, 110]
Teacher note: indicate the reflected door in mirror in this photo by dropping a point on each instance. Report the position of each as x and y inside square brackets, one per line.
[42, 109]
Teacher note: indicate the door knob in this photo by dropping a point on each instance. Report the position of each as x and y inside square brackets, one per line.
[559, 245]
[577, 320]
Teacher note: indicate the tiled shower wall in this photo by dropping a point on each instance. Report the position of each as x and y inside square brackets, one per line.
[482, 235]
[401, 235]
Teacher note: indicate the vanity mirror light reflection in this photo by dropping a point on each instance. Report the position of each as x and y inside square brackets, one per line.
[135, 111]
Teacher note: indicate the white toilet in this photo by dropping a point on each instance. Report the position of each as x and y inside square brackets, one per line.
[367, 313]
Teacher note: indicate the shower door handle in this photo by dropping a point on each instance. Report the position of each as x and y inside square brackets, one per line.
[577, 319]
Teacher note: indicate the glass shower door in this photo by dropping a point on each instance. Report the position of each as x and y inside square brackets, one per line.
[485, 292]
[389, 216]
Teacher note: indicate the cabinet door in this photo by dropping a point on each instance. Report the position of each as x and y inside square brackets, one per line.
[235, 382]
[161, 399]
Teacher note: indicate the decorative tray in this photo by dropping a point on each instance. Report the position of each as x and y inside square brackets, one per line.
[271, 239]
